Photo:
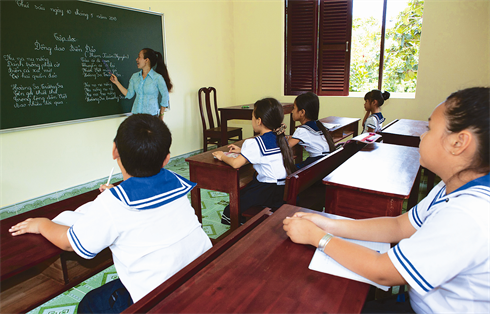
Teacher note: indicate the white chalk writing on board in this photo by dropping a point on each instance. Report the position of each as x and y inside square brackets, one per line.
[60, 12]
[38, 95]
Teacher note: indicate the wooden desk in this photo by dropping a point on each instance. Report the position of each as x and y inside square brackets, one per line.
[405, 132]
[31, 265]
[346, 128]
[240, 113]
[263, 272]
[211, 174]
[373, 182]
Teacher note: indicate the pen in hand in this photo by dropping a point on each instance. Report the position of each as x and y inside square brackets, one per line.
[107, 186]
[110, 176]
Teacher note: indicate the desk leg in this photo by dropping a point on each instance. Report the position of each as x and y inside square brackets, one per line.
[224, 127]
[414, 194]
[235, 210]
[431, 177]
[196, 202]
[355, 129]
[292, 124]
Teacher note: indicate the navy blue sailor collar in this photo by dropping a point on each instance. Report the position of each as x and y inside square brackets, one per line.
[311, 126]
[479, 187]
[379, 116]
[268, 144]
[140, 193]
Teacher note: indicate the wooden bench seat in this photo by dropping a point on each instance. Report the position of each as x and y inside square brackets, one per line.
[30, 265]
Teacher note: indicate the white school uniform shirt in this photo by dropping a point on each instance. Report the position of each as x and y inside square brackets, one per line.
[446, 261]
[312, 139]
[150, 227]
[265, 156]
[375, 122]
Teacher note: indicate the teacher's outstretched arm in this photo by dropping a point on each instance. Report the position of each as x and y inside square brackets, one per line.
[116, 82]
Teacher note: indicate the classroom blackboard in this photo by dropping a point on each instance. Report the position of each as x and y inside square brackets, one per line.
[52, 53]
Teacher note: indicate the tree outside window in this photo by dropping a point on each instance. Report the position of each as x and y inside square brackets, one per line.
[318, 37]
[402, 44]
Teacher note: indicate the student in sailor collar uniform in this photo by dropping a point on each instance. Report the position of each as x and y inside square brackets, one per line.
[270, 155]
[443, 250]
[311, 134]
[373, 119]
[146, 221]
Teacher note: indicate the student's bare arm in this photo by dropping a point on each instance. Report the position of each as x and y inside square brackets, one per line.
[116, 82]
[380, 229]
[292, 141]
[367, 263]
[234, 162]
[53, 232]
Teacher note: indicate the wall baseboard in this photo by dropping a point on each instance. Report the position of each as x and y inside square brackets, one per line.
[25, 206]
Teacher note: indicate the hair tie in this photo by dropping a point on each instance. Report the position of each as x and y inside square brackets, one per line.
[280, 129]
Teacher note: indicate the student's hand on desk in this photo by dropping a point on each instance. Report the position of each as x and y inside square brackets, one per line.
[302, 231]
[219, 155]
[104, 187]
[30, 225]
[234, 149]
[320, 221]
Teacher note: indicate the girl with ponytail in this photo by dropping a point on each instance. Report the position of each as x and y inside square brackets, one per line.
[270, 155]
[311, 134]
[148, 84]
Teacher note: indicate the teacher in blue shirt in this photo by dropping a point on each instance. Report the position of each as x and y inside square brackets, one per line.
[147, 84]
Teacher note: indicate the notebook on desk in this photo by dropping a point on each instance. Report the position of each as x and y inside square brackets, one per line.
[323, 263]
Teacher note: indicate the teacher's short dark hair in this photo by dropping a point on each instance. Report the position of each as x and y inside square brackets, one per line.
[143, 142]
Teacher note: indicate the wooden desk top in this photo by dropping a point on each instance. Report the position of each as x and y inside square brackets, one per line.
[288, 107]
[413, 128]
[208, 158]
[339, 120]
[18, 254]
[265, 272]
[379, 168]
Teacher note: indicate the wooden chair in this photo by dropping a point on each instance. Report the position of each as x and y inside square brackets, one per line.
[212, 134]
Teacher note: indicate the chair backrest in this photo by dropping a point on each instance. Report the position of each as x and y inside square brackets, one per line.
[206, 105]
[305, 177]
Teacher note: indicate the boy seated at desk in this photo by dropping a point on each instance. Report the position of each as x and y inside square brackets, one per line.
[146, 221]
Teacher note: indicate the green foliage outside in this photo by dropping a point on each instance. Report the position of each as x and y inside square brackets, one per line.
[401, 57]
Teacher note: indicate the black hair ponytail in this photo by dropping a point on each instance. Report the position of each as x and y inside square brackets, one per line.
[270, 111]
[156, 58]
[310, 103]
[328, 137]
[469, 109]
[377, 95]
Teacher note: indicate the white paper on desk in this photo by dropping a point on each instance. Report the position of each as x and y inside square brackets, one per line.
[330, 125]
[323, 263]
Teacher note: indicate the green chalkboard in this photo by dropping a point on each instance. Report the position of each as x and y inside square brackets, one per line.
[51, 59]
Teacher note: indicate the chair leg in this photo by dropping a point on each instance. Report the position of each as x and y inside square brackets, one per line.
[205, 141]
